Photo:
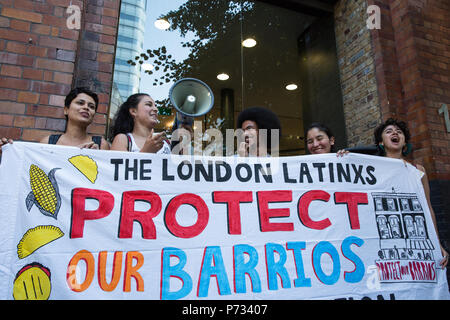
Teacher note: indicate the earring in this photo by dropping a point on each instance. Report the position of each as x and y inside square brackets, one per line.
[408, 149]
[381, 150]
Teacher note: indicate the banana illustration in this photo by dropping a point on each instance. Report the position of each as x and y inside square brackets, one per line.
[44, 192]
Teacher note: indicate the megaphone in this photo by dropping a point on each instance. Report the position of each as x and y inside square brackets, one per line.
[191, 97]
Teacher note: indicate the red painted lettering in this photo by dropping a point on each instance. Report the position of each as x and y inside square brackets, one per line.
[79, 212]
[202, 219]
[351, 199]
[303, 205]
[233, 199]
[145, 218]
[264, 198]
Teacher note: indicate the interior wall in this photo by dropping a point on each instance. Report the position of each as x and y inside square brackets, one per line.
[319, 72]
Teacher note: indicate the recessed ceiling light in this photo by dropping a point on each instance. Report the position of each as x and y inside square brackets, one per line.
[249, 43]
[147, 67]
[223, 76]
[162, 24]
[291, 87]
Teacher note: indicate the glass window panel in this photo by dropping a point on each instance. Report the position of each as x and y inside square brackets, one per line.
[272, 64]
[205, 39]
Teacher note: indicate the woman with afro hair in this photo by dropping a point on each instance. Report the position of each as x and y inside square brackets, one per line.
[257, 122]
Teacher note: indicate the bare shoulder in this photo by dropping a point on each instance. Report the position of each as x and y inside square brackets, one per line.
[120, 142]
[44, 140]
[121, 137]
[421, 168]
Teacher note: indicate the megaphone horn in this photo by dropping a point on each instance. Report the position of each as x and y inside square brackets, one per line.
[191, 97]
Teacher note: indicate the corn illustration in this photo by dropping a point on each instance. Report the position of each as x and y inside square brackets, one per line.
[44, 192]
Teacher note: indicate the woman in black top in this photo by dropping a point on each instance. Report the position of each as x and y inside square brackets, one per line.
[80, 106]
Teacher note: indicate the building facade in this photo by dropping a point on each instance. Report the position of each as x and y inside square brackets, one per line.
[400, 70]
[130, 40]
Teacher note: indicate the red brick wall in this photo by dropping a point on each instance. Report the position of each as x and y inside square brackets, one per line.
[386, 64]
[94, 68]
[360, 89]
[412, 54]
[41, 59]
[412, 66]
[431, 28]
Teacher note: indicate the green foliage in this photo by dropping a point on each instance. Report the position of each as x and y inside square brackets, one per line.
[209, 21]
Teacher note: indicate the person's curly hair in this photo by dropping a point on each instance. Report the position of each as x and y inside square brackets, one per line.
[400, 124]
[264, 119]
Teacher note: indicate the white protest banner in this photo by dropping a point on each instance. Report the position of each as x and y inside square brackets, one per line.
[87, 224]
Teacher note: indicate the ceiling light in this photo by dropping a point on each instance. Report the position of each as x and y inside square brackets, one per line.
[223, 76]
[291, 87]
[162, 24]
[249, 43]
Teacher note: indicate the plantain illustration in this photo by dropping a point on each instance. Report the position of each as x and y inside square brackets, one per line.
[44, 192]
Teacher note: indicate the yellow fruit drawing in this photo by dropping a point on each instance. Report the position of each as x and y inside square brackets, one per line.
[32, 282]
[37, 237]
[86, 166]
[44, 192]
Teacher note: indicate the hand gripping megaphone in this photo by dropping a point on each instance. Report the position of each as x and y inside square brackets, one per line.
[191, 97]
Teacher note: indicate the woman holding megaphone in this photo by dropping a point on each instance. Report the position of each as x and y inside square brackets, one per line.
[134, 125]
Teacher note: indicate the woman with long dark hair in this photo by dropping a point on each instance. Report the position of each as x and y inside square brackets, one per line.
[319, 139]
[134, 125]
